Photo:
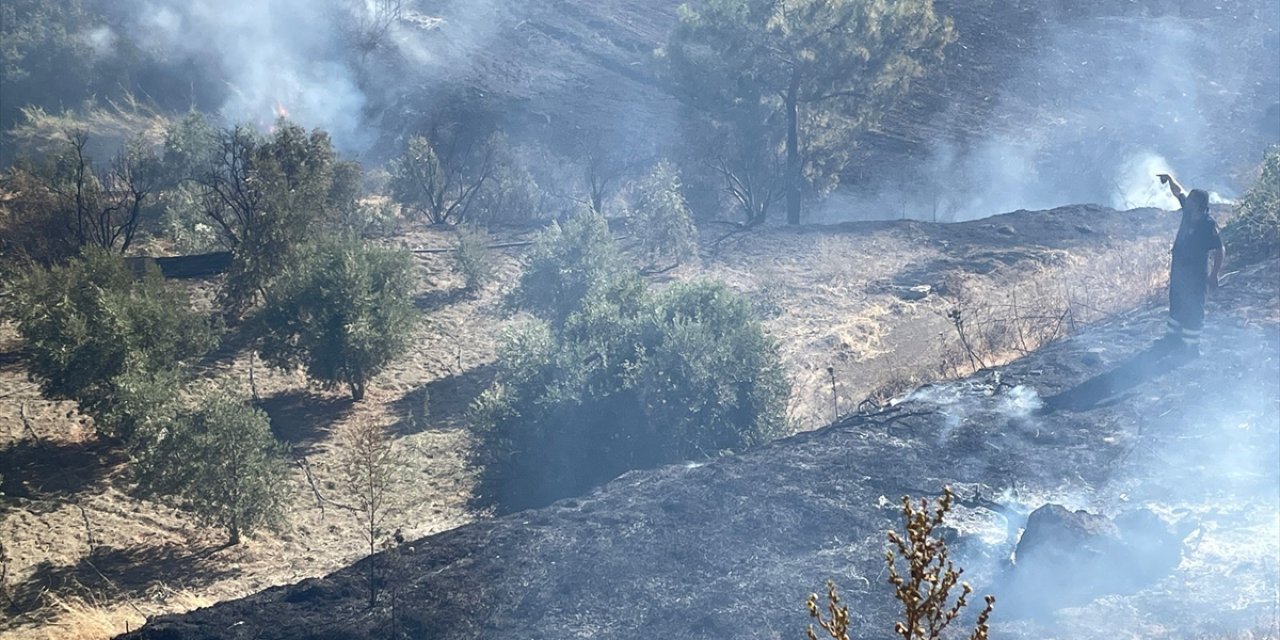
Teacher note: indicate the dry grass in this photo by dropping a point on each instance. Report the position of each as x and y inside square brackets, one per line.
[109, 125]
[825, 298]
[84, 618]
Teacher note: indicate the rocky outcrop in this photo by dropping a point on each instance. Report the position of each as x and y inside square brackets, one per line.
[730, 548]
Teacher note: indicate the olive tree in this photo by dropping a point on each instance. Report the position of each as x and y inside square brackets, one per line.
[342, 313]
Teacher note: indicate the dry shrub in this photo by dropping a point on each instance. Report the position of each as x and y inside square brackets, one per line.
[111, 124]
[87, 618]
[372, 471]
[923, 587]
[996, 324]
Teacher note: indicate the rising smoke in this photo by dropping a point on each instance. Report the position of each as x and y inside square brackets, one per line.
[331, 64]
[1104, 105]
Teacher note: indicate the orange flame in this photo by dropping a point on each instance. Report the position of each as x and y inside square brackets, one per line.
[281, 112]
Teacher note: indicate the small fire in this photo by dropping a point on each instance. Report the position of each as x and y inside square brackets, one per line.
[281, 111]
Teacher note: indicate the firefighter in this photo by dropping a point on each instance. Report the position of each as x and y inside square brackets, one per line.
[1190, 274]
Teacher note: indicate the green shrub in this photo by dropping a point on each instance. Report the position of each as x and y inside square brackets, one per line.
[90, 322]
[571, 261]
[625, 382]
[343, 313]
[268, 198]
[661, 218]
[222, 463]
[1254, 231]
[473, 258]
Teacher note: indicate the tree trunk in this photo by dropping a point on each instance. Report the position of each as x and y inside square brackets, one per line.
[357, 391]
[794, 176]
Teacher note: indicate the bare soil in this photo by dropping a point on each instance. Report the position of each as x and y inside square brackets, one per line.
[86, 558]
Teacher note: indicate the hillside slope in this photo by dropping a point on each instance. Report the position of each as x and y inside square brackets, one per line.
[869, 300]
[1039, 102]
[731, 548]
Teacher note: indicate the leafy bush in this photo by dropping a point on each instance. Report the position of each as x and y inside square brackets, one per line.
[190, 148]
[661, 217]
[90, 322]
[1254, 231]
[342, 313]
[473, 257]
[571, 261]
[615, 378]
[222, 463]
[268, 198]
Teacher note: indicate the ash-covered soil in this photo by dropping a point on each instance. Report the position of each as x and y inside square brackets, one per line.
[731, 548]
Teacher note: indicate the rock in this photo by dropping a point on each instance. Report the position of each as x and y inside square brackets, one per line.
[313, 589]
[916, 293]
[1066, 558]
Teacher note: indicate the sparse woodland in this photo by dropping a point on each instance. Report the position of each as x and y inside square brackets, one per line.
[463, 320]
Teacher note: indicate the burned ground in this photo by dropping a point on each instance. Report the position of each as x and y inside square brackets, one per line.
[732, 547]
[832, 296]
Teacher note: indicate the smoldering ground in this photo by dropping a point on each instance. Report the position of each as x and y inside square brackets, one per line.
[1189, 473]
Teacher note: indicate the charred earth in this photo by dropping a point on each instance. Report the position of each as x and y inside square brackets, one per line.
[1177, 450]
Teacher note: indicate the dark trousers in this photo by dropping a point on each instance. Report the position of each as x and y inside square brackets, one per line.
[1186, 306]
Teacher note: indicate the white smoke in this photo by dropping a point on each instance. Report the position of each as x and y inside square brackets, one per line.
[277, 57]
[1137, 185]
[1102, 107]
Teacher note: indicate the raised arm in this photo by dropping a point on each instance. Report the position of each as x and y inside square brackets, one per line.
[1174, 187]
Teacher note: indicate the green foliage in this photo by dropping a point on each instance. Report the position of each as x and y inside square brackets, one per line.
[923, 587]
[222, 463]
[88, 323]
[570, 262]
[801, 78]
[661, 217]
[268, 197]
[473, 258]
[1254, 231]
[191, 146]
[615, 378]
[343, 313]
[44, 58]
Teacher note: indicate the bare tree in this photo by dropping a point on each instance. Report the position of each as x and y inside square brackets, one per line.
[367, 23]
[754, 188]
[370, 466]
[102, 207]
[439, 176]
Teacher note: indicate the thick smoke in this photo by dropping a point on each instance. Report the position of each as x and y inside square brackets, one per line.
[1104, 105]
[331, 64]
[278, 57]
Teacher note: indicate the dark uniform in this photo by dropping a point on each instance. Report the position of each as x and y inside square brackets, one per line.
[1189, 277]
